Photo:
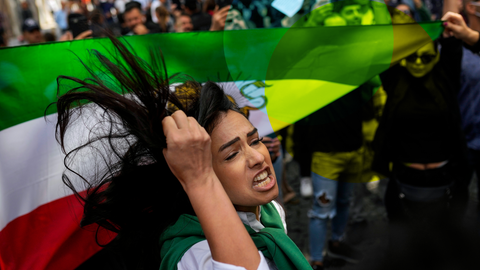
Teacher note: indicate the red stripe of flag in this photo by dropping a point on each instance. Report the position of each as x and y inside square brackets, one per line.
[49, 237]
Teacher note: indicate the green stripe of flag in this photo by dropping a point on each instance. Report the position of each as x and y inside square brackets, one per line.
[332, 55]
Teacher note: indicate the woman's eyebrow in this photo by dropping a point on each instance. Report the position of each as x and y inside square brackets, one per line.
[251, 133]
[228, 144]
[236, 139]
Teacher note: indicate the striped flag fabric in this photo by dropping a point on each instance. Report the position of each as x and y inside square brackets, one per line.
[277, 75]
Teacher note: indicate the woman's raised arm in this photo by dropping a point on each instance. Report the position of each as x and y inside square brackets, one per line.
[189, 156]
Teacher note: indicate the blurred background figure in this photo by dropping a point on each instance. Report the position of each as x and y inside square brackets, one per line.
[201, 21]
[183, 24]
[235, 21]
[420, 12]
[348, 12]
[166, 4]
[402, 14]
[60, 17]
[31, 32]
[164, 20]
[136, 22]
[78, 27]
[26, 12]
[107, 10]
[209, 6]
[49, 37]
[320, 11]
[416, 9]
[98, 23]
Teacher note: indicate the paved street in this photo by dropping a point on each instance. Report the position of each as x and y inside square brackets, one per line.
[370, 236]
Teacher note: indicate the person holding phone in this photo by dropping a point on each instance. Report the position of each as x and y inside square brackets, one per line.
[78, 28]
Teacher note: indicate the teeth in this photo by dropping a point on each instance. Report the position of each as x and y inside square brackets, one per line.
[263, 183]
[262, 179]
[261, 176]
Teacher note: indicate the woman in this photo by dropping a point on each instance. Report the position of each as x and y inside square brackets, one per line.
[185, 167]
[164, 19]
[420, 135]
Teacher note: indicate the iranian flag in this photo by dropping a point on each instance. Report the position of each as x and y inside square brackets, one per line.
[277, 76]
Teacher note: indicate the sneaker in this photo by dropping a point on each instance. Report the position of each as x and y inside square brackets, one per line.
[306, 188]
[344, 252]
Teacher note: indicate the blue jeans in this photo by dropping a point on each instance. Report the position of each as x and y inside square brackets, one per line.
[338, 194]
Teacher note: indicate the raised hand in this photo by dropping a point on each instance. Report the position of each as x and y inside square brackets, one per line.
[188, 152]
[456, 26]
[218, 18]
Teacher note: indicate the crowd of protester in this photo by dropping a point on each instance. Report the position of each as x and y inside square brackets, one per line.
[416, 124]
[77, 20]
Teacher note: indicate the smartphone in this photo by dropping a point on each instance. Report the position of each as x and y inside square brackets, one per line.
[222, 3]
[77, 23]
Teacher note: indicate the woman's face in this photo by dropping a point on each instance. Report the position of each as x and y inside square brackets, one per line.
[242, 163]
[419, 67]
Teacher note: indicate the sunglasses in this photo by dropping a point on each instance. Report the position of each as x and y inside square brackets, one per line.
[406, 11]
[426, 58]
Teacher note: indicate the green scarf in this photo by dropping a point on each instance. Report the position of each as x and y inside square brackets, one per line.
[271, 241]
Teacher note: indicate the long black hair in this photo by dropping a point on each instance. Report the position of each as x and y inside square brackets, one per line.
[132, 192]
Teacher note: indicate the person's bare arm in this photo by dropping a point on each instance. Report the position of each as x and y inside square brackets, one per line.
[451, 5]
[456, 26]
[189, 157]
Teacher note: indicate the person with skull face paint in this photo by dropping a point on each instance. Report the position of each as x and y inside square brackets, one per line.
[420, 135]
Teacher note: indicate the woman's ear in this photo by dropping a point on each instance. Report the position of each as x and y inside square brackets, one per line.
[403, 62]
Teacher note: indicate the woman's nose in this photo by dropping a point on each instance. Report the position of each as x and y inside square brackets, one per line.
[255, 158]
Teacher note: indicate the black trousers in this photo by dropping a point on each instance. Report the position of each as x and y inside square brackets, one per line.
[430, 234]
[449, 207]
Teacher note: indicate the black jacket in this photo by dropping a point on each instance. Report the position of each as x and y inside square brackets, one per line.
[443, 83]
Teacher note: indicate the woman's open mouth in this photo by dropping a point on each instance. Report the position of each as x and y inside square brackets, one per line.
[263, 181]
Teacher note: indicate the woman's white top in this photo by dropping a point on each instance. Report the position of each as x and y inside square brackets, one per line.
[200, 257]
